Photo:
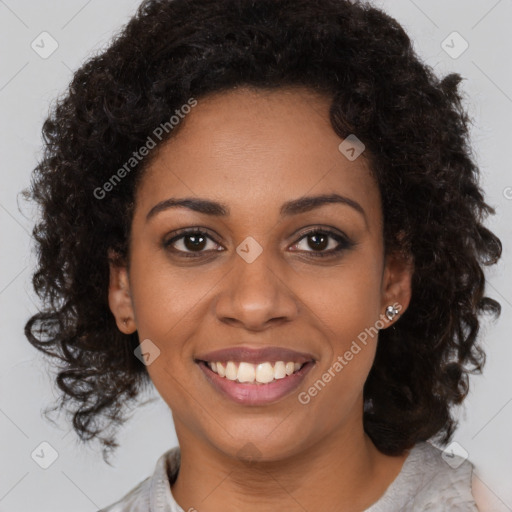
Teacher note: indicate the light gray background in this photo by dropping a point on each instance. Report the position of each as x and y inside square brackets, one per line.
[79, 480]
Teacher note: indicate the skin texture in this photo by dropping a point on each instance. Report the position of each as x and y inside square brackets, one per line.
[253, 151]
[485, 498]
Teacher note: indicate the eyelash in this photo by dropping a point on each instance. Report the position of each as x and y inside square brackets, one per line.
[344, 243]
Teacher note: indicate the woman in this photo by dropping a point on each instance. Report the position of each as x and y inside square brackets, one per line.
[267, 210]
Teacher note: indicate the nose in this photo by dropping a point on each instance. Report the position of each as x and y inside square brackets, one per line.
[255, 294]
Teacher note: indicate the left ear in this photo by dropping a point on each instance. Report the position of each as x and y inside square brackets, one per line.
[396, 283]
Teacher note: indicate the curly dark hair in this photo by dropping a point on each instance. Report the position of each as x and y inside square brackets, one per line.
[415, 130]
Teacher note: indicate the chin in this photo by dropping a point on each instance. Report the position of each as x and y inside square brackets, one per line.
[260, 443]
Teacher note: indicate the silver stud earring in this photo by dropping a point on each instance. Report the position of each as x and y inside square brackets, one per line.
[391, 312]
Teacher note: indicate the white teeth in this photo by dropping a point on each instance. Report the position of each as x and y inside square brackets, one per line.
[246, 372]
[262, 373]
[279, 370]
[221, 370]
[231, 371]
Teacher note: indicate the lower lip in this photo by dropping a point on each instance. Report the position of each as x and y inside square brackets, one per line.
[252, 393]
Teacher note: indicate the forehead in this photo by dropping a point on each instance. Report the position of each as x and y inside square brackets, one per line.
[253, 148]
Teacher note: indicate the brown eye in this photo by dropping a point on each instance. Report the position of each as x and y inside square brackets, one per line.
[191, 241]
[322, 243]
[194, 242]
[318, 241]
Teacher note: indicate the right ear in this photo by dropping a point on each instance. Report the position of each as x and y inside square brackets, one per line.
[119, 295]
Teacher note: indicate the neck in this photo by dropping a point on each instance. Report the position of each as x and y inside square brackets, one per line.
[343, 471]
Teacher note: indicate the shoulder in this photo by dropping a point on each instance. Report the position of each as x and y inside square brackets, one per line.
[153, 493]
[430, 480]
[136, 500]
[442, 480]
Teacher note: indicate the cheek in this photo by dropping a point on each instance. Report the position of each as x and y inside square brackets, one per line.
[346, 308]
[167, 308]
[168, 300]
[345, 300]
[348, 314]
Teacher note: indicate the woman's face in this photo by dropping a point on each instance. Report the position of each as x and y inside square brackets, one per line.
[254, 278]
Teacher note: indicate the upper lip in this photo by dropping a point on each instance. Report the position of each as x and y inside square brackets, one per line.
[256, 355]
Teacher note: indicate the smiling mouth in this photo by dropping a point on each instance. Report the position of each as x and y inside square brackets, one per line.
[255, 376]
[249, 373]
[248, 391]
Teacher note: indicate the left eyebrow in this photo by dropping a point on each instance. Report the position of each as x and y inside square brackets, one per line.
[293, 207]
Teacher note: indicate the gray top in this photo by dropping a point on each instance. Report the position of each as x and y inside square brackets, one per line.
[426, 482]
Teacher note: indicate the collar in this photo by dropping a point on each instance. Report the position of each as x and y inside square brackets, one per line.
[166, 471]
